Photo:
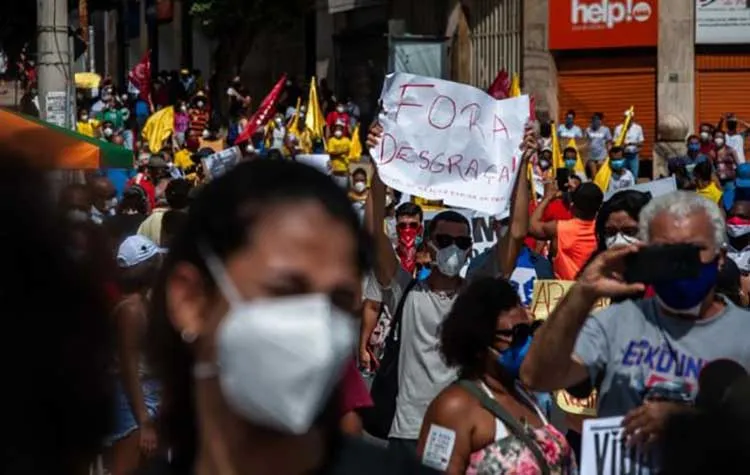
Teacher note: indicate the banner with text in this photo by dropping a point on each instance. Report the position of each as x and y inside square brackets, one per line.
[448, 141]
[604, 450]
[548, 293]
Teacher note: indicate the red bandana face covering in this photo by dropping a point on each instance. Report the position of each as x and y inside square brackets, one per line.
[407, 248]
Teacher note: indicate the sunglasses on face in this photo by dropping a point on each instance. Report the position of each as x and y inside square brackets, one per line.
[520, 333]
[411, 225]
[445, 240]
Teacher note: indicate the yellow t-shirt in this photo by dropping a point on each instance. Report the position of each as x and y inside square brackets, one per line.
[338, 149]
[87, 128]
[712, 192]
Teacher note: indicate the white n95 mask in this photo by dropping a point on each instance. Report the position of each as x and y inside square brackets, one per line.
[620, 239]
[450, 259]
[278, 360]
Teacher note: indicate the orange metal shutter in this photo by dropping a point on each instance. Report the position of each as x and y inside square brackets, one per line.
[722, 86]
[610, 85]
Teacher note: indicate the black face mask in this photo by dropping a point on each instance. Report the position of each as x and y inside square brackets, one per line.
[732, 125]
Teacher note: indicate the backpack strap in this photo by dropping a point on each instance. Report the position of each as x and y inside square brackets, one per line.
[501, 413]
[395, 333]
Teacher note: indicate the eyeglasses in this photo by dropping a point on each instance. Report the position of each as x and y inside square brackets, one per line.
[520, 333]
[410, 225]
[445, 240]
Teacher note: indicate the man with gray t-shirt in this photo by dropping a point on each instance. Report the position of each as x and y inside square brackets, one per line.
[648, 350]
[422, 373]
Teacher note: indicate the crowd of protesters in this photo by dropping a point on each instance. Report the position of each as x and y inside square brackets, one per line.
[176, 322]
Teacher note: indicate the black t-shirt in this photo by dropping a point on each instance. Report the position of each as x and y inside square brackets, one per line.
[354, 457]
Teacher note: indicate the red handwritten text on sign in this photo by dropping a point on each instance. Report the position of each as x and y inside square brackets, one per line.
[449, 141]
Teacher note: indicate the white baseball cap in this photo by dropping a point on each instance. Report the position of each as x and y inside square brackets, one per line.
[136, 250]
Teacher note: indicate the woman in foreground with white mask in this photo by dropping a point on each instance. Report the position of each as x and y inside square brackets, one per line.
[253, 327]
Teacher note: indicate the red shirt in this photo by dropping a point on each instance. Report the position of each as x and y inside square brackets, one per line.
[708, 148]
[352, 391]
[557, 210]
[142, 181]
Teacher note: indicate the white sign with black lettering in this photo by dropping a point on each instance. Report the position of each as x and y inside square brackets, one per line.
[54, 105]
[604, 450]
[439, 447]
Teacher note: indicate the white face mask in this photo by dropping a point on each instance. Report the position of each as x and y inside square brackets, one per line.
[206, 134]
[705, 135]
[84, 118]
[340, 109]
[278, 360]
[110, 204]
[278, 121]
[360, 186]
[719, 141]
[620, 239]
[108, 132]
[183, 108]
[338, 134]
[450, 259]
[199, 104]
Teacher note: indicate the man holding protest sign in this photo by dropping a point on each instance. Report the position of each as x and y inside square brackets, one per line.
[443, 141]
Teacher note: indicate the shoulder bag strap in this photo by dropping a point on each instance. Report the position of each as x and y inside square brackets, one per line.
[395, 333]
[499, 411]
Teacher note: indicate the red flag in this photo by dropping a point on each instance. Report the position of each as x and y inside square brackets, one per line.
[140, 76]
[500, 88]
[263, 113]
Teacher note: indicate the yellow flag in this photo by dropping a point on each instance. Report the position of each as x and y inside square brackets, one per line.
[294, 120]
[605, 173]
[557, 157]
[579, 162]
[515, 86]
[355, 151]
[314, 120]
[158, 128]
[620, 139]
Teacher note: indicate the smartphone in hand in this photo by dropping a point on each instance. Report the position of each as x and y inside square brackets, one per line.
[663, 262]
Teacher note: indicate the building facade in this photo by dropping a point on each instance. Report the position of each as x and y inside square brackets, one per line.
[678, 62]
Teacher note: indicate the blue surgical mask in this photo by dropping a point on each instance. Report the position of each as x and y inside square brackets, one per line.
[694, 147]
[617, 165]
[569, 121]
[570, 164]
[512, 358]
[424, 273]
[685, 296]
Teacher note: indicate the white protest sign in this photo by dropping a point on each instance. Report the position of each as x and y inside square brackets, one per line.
[451, 142]
[321, 162]
[659, 187]
[219, 163]
[604, 450]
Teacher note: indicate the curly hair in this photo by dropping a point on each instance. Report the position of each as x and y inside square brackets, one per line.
[469, 330]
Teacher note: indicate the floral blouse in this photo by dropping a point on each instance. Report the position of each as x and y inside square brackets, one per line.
[508, 455]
